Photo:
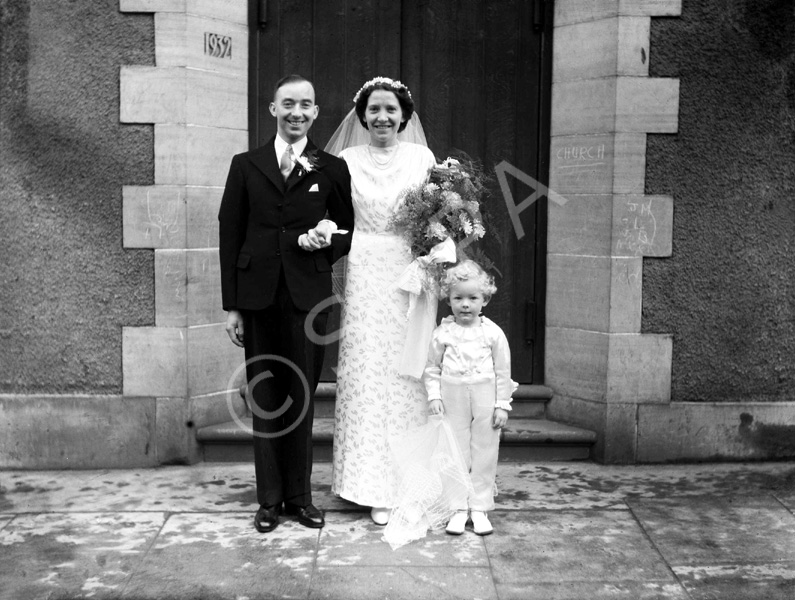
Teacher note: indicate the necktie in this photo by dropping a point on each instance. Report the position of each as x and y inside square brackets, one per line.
[286, 162]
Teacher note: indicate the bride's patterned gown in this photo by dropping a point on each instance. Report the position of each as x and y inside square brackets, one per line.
[374, 403]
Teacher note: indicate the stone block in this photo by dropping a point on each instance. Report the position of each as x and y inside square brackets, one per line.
[651, 8]
[152, 5]
[204, 288]
[639, 368]
[190, 40]
[181, 95]
[582, 164]
[632, 55]
[225, 10]
[568, 12]
[152, 95]
[193, 155]
[642, 225]
[576, 363]
[701, 431]
[578, 292]
[581, 226]
[216, 99]
[626, 294]
[171, 288]
[154, 216]
[172, 430]
[629, 163]
[213, 361]
[603, 48]
[586, 50]
[646, 105]
[219, 407]
[620, 434]
[76, 432]
[580, 11]
[583, 107]
[203, 205]
[154, 361]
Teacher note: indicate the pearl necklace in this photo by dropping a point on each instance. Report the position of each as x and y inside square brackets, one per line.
[383, 164]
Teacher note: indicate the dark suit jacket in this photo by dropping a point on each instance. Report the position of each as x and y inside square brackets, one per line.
[261, 217]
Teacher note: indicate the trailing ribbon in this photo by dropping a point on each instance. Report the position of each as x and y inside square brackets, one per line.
[423, 304]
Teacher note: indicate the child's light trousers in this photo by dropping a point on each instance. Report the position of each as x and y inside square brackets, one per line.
[469, 406]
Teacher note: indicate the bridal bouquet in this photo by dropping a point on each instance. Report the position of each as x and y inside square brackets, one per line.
[438, 219]
[447, 207]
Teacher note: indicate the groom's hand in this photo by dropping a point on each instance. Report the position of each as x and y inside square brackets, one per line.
[234, 327]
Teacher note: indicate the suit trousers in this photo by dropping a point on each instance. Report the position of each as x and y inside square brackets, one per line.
[470, 409]
[283, 369]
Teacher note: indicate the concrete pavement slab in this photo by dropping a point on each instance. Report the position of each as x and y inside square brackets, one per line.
[353, 539]
[559, 552]
[220, 555]
[404, 583]
[50, 555]
[740, 547]
[718, 530]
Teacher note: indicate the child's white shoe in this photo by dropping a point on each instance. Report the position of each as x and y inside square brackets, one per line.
[457, 523]
[480, 523]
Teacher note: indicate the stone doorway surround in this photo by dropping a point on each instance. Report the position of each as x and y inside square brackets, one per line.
[601, 368]
[197, 98]
[599, 365]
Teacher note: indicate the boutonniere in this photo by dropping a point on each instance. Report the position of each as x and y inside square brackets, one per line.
[308, 161]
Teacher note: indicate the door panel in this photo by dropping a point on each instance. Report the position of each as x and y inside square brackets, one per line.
[479, 75]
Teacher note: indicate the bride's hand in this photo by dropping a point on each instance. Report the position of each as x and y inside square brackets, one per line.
[311, 241]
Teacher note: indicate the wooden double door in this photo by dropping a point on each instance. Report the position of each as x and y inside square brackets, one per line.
[479, 73]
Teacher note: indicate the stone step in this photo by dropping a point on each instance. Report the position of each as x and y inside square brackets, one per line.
[529, 401]
[523, 439]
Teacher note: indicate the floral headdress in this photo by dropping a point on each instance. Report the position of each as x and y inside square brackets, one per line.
[392, 83]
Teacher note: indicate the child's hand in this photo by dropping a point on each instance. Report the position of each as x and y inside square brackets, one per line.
[500, 418]
[435, 407]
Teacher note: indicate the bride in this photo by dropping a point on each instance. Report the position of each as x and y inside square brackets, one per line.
[374, 402]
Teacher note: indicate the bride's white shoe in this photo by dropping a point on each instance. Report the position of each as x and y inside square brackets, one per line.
[457, 523]
[480, 523]
[380, 516]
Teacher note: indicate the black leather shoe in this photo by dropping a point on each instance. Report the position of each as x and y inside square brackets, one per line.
[308, 516]
[267, 518]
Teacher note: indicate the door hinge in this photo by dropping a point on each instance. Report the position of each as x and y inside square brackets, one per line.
[539, 10]
[262, 12]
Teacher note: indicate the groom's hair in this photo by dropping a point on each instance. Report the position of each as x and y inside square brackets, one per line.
[294, 78]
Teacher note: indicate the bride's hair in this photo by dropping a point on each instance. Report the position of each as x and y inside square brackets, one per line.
[384, 83]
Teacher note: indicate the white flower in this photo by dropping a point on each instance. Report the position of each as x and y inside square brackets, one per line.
[453, 200]
[304, 162]
[437, 231]
[431, 188]
[466, 224]
[478, 231]
[449, 163]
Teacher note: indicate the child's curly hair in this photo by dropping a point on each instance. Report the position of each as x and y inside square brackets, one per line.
[465, 271]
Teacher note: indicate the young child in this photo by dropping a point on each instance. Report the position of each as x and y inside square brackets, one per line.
[468, 378]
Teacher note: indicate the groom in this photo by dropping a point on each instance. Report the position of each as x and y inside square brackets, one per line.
[276, 251]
